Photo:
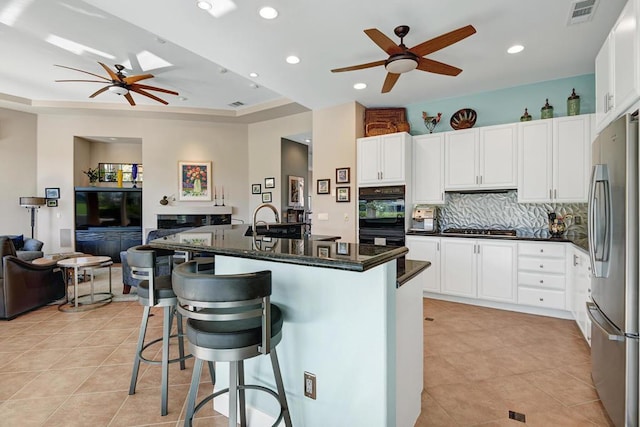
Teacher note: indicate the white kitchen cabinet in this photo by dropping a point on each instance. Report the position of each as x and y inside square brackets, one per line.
[554, 160]
[428, 169]
[542, 275]
[497, 272]
[459, 262]
[482, 158]
[425, 248]
[476, 268]
[383, 160]
[617, 67]
[580, 290]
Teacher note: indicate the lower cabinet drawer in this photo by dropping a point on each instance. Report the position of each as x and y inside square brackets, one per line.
[547, 265]
[546, 298]
[540, 280]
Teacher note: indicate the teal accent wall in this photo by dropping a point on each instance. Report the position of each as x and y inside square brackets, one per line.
[507, 105]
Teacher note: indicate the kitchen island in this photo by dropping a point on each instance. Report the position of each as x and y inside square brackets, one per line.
[342, 324]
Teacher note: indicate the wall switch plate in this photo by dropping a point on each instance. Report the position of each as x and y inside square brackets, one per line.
[310, 385]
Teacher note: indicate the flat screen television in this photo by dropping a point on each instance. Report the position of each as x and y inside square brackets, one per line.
[99, 208]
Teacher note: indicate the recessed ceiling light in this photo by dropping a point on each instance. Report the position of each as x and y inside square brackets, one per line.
[293, 59]
[516, 48]
[204, 5]
[253, 75]
[360, 86]
[268, 12]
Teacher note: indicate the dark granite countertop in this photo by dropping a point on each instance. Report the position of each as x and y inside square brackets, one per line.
[314, 251]
[408, 269]
[578, 239]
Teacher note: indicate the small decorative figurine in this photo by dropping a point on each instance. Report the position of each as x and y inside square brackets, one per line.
[431, 121]
[546, 112]
[526, 116]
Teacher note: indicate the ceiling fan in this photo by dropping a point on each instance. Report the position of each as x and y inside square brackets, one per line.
[119, 83]
[401, 59]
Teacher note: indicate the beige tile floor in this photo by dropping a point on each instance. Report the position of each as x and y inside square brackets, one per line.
[480, 363]
[73, 369]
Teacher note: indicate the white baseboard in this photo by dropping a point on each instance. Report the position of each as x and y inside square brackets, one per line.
[254, 416]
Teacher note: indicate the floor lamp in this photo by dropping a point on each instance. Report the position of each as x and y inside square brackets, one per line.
[32, 203]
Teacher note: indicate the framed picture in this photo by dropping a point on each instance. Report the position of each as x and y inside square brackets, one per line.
[266, 197]
[324, 186]
[296, 191]
[324, 251]
[195, 181]
[256, 188]
[269, 183]
[52, 203]
[342, 248]
[343, 194]
[343, 175]
[51, 193]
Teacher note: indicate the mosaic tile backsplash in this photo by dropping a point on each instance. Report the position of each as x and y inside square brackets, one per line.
[502, 211]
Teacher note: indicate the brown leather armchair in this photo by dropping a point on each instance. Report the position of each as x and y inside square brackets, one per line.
[25, 286]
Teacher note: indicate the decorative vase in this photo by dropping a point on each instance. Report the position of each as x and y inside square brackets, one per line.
[134, 174]
[92, 183]
[197, 186]
[546, 112]
[119, 178]
[573, 104]
[526, 116]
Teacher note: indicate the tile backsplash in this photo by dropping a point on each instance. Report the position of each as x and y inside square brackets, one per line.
[502, 211]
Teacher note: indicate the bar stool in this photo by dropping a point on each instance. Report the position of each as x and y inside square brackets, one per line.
[155, 291]
[230, 319]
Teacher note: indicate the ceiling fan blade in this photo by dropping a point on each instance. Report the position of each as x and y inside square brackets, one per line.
[133, 79]
[383, 41]
[391, 80]
[82, 71]
[147, 94]
[158, 89]
[90, 81]
[432, 66]
[443, 41]
[98, 92]
[130, 99]
[113, 75]
[359, 67]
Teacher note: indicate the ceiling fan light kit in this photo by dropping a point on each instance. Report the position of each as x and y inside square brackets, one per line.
[121, 84]
[402, 59]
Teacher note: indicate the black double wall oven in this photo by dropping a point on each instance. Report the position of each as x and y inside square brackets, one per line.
[382, 215]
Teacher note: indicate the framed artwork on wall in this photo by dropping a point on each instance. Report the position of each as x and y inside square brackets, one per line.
[256, 188]
[194, 180]
[266, 197]
[269, 183]
[343, 194]
[296, 191]
[343, 175]
[51, 193]
[324, 186]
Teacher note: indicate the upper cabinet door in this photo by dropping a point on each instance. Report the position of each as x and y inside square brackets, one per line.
[461, 171]
[625, 58]
[572, 158]
[535, 172]
[368, 158]
[498, 156]
[604, 86]
[428, 170]
[392, 157]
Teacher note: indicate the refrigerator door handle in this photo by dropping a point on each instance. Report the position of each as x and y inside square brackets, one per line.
[597, 319]
[599, 221]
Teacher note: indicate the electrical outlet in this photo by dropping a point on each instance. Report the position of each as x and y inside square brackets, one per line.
[310, 385]
[577, 220]
[346, 217]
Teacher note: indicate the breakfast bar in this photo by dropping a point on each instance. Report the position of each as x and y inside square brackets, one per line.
[342, 323]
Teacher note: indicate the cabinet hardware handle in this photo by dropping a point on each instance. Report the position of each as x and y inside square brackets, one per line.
[541, 250]
[555, 193]
[550, 196]
[575, 260]
[480, 179]
[541, 266]
[541, 299]
[476, 179]
[437, 246]
[541, 281]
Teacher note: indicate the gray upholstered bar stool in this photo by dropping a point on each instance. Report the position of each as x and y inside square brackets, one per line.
[229, 319]
[155, 291]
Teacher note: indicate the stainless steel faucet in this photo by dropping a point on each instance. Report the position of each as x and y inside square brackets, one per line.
[255, 214]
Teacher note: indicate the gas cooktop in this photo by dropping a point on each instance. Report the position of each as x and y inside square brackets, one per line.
[480, 232]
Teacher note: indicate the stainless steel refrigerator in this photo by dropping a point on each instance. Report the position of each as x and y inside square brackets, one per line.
[613, 246]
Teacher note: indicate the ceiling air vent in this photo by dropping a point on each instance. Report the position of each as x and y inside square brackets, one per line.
[582, 11]
[236, 104]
